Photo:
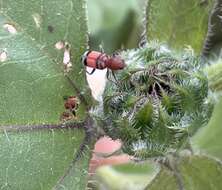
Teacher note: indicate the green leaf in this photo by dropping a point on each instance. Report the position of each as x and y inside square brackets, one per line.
[178, 23]
[208, 139]
[36, 159]
[145, 114]
[195, 172]
[32, 79]
[126, 176]
[189, 172]
[163, 181]
[76, 175]
[201, 173]
[37, 148]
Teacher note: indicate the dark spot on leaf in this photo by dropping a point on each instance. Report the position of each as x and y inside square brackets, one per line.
[50, 28]
[65, 97]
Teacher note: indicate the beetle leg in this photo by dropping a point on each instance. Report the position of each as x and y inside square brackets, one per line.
[90, 73]
[74, 112]
[108, 78]
[107, 74]
[114, 76]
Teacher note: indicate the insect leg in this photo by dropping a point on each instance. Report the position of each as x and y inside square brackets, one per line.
[74, 112]
[107, 74]
[108, 78]
[90, 73]
[114, 76]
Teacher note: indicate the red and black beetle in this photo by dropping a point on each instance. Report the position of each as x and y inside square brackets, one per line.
[99, 60]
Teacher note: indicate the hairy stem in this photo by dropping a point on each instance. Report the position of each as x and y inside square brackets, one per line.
[40, 127]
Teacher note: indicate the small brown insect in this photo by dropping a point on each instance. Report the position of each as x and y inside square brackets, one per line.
[71, 104]
[65, 116]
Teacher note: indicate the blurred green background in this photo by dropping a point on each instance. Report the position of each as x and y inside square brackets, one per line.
[115, 24]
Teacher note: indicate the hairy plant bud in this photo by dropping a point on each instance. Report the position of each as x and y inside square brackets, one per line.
[157, 101]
